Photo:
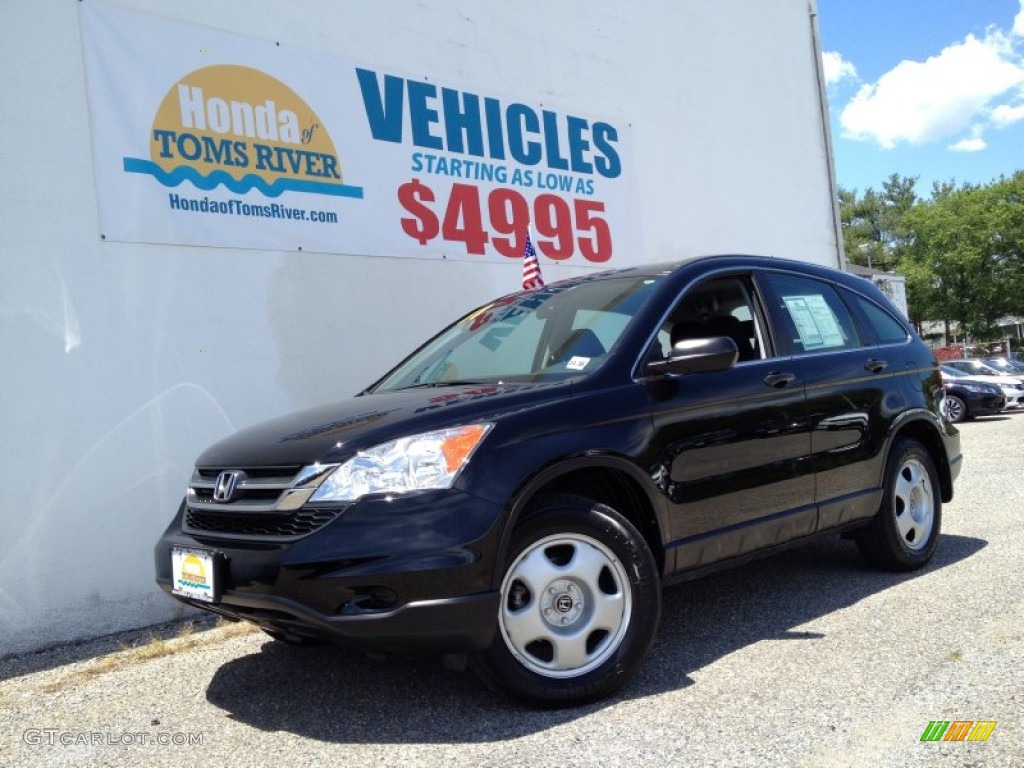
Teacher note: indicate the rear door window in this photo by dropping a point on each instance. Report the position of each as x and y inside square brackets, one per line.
[811, 315]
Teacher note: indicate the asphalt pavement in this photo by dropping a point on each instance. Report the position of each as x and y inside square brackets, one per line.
[809, 658]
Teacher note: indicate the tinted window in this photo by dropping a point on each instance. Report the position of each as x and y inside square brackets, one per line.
[884, 327]
[974, 367]
[607, 326]
[719, 307]
[813, 314]
[507, 348]
[562, 330]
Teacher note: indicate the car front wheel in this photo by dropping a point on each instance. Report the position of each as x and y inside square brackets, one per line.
[956, 409]
[580, 602]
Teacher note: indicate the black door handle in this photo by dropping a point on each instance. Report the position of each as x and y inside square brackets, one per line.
[876, 366]
[778, 380]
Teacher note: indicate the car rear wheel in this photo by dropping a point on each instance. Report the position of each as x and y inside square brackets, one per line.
[580, 602]
[956, 409]
[904, 533]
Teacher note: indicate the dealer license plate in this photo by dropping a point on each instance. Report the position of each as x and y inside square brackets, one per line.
[193, 574]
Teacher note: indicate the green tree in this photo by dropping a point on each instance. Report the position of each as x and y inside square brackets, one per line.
[898, 198]
[962, 253]
[873, 223]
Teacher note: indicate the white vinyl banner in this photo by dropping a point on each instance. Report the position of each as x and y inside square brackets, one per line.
[211, 139]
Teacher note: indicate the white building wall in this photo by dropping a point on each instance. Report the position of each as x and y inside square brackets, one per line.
[121, 361]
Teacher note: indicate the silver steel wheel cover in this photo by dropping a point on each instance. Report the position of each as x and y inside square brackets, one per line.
[914, 504]
[565, 606]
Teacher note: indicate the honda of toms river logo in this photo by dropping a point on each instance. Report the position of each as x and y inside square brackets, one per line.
[240, 128]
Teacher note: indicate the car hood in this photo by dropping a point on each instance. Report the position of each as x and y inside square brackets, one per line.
[999, 381]
[334, 432]
[946, 379]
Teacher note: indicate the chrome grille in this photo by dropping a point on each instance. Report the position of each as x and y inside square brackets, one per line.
[265, 501]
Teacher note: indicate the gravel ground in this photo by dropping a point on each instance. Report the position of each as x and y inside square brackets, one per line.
[805, 659]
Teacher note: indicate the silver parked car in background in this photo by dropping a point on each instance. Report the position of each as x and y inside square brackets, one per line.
[968, 397]
[1011, 386]
[1005, 365]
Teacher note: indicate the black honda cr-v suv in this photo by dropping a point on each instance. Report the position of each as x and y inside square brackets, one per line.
[520, 488]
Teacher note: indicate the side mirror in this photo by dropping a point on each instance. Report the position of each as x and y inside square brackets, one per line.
[698, 356]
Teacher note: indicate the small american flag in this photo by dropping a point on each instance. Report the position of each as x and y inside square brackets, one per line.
[531, 267]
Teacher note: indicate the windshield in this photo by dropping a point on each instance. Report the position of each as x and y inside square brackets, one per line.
[563, 330]
[1004, 365]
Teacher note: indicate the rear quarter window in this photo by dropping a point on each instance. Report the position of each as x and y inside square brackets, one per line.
[881, 324]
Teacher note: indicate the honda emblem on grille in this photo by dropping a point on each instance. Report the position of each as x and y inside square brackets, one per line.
[227, 482]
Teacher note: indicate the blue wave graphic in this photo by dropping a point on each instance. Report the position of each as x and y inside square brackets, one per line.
[238, 186]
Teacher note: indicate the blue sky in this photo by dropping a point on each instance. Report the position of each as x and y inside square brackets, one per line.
[926, 88]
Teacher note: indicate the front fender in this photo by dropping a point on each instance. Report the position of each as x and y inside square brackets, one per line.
[549, 477]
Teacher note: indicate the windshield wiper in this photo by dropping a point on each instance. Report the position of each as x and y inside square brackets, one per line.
[448, 383]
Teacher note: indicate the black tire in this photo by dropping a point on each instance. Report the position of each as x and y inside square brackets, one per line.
[903, 535]
[580, 603]
[956, 409]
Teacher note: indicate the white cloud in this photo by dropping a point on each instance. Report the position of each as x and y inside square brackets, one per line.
[968, 145]
[919, 102]
[837, 68]
[1004, 115]
[974, 144]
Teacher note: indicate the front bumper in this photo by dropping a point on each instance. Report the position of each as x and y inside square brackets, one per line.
[1013, 397]
[984, 404]
[454, 625]
[408, 574]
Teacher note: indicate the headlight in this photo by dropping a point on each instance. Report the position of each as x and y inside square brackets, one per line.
[976, 388]
[419, 462]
